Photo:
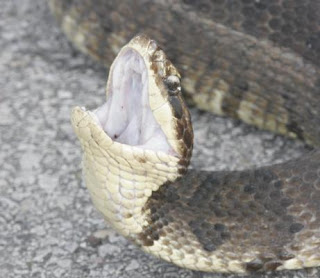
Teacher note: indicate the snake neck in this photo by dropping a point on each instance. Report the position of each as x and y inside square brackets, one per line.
[128, 182]
[121, 177]
[140, 139]
[255, 220]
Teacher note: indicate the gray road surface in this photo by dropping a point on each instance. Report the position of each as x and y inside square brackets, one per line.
[48, 226]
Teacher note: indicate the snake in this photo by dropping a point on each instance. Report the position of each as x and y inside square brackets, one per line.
[254, 60]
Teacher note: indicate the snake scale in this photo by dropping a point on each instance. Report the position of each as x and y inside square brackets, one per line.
[258, 61]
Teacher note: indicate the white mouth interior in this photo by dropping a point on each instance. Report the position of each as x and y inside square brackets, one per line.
[126, 116]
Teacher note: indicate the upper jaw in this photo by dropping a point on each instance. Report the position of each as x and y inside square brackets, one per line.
[166, 117]
[126, 116]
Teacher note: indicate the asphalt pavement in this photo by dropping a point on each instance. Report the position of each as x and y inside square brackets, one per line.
[48, 225]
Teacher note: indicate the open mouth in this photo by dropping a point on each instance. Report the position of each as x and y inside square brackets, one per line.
[126, 117]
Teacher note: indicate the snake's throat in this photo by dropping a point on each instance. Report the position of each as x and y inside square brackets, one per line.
[126, 117]
[138, 141]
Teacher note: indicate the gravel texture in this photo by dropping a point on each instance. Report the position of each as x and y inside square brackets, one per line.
[48, 225]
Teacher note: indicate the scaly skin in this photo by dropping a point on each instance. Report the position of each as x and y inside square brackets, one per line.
[253, 60]
[255, 220]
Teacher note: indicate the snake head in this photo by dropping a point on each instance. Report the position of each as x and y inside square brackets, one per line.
[144, 108]
[165, 98]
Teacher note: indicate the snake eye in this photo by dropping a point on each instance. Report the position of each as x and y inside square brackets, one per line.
[173, 84]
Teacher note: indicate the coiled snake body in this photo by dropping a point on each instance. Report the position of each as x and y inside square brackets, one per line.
[254, 60]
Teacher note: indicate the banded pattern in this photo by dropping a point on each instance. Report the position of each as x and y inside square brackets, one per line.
[264, 216]
[245, 59]
[254, 60]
